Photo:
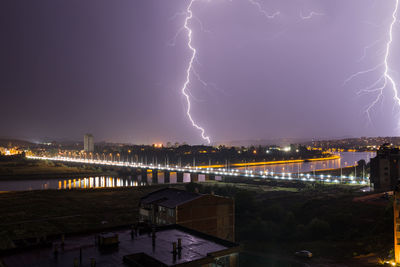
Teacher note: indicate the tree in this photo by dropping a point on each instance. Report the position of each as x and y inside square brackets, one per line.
[361, 163]
[318, 228]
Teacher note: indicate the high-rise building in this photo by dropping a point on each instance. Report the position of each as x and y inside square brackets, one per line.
[88, 143]
[385, 168]
[385, 175]
[396, 217]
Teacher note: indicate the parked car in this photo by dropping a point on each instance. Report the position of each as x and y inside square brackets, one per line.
[303, 254]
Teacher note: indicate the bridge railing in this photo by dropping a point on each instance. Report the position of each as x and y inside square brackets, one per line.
[305, 177]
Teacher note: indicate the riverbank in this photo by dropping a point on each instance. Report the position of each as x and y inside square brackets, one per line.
[27, 169]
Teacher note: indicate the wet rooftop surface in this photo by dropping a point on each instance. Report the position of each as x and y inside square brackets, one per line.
[194, 247]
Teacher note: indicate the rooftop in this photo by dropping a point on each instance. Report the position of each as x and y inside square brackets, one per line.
[169, 197]
[195, 246]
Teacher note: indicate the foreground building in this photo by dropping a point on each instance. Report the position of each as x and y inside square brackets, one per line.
[210, 214]
[385, 168]
[171, 245]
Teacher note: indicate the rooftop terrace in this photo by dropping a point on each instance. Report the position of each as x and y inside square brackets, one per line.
[195, 247]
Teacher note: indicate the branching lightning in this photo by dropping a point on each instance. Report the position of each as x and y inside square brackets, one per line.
[385, 79]
[310, 15]
[189, 70]
[387, 54]
[367, 48]
[264, 12]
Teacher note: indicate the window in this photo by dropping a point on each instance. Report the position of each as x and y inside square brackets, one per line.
[161, 209]
[171, 212]
[222, 262]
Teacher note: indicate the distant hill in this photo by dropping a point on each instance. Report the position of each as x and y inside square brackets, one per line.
[265, 142]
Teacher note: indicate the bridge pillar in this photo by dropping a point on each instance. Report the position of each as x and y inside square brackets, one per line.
[210, 177]
[194, 177]
[179, 177]
[166, 177]
[134, 174]
[172, 177]
[143, 173]
[154, 176]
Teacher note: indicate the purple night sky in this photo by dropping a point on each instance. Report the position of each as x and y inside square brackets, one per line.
[113, 68]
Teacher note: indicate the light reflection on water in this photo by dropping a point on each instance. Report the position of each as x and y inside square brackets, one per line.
[346, 159]
[73, 183]
[97, 182]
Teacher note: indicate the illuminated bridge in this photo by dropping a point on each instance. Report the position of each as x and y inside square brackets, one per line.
[195, 174]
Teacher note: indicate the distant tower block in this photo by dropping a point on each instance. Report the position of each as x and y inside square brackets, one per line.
[88, 143]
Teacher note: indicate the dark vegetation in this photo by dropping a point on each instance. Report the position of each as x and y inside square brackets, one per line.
[320, 218]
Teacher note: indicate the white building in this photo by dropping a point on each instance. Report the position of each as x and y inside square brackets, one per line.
[88, 143]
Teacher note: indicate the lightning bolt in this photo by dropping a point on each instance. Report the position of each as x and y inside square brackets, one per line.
[387, 54]
[172, 42]
[385, 79]
[189, 70]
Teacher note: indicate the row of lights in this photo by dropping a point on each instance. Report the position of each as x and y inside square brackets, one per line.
[235, 172]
